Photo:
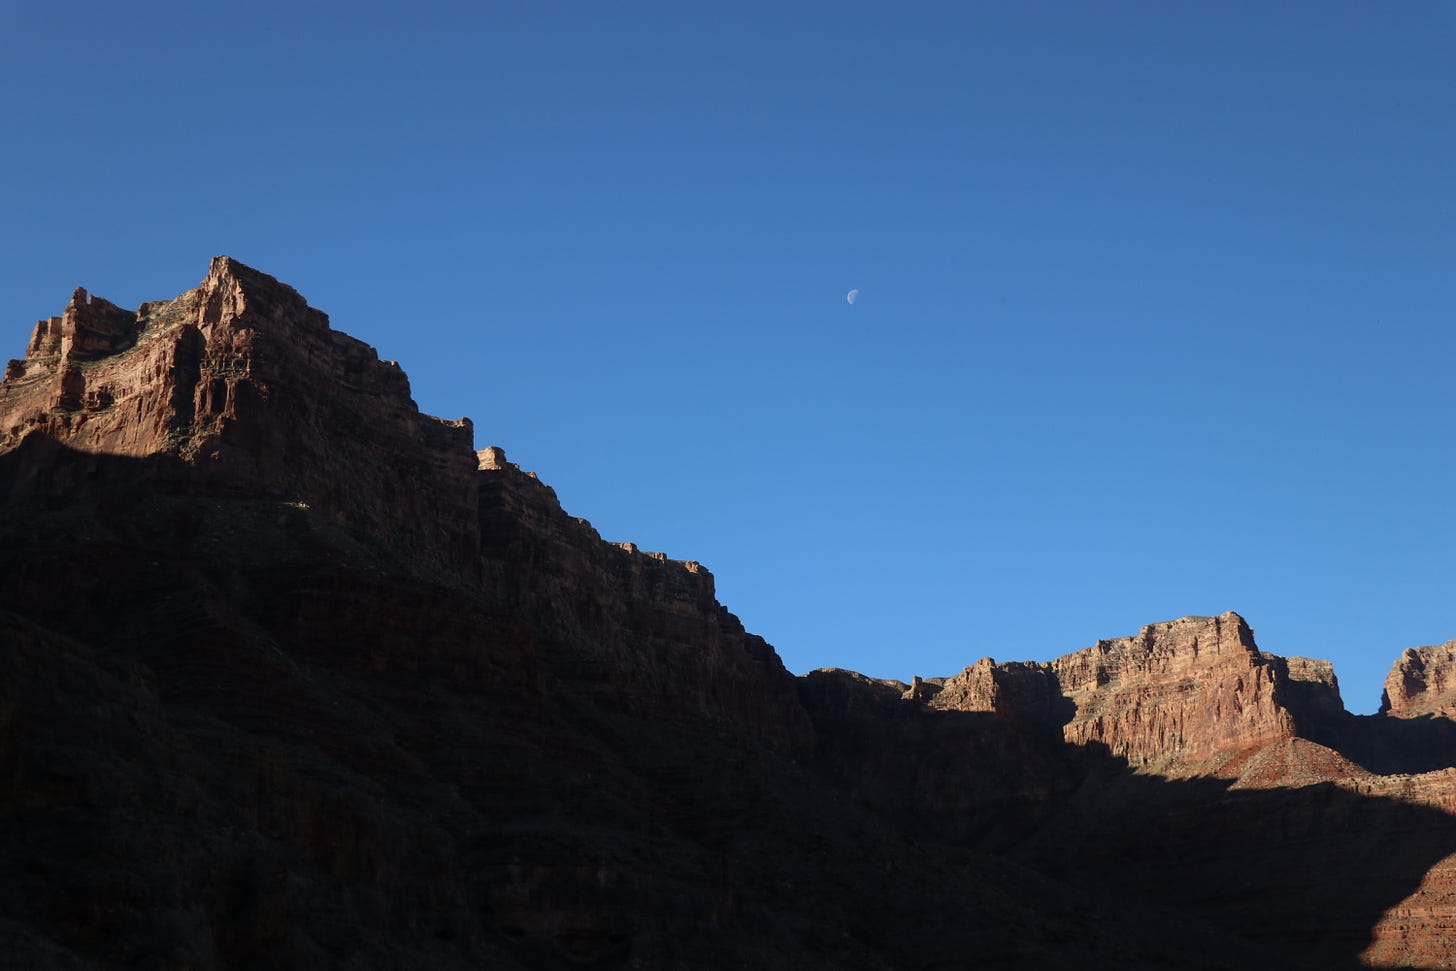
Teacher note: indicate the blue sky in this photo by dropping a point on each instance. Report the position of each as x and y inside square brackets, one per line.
[1156, 311]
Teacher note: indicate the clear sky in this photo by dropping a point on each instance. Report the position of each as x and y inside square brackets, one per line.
[1156, 317]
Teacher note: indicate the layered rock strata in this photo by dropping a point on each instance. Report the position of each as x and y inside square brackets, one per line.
[1422, 682]
[239, 386]
[1185, 697]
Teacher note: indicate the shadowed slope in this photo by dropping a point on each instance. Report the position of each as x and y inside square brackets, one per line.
[301, 753]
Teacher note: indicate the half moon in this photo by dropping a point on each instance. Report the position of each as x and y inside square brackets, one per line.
[851, 296]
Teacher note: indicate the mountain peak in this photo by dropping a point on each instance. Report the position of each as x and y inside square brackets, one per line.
[239, 385]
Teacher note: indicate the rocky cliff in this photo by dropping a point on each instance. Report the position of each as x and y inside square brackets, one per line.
[295, 677]
[1189, 697]
[1422, 682]
[645, 630]
[248, 390]
[239, 388]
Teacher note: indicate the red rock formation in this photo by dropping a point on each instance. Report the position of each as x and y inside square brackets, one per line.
[1017, 690]
[1176, 695]
[1188, 697]
[1422, 682]
[251, 391]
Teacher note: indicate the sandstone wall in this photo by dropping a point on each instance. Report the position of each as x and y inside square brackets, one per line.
[251, 391]
[1422, 682]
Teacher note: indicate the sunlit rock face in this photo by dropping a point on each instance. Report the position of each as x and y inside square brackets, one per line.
[1188, 697]
[246, 388]
[1422, 682]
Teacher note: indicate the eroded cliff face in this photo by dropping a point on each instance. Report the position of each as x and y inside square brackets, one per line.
[1188, 697]
[239, 386]
[1422, 682]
